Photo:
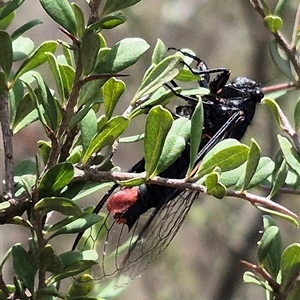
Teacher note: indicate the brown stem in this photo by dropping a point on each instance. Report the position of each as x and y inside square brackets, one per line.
[279, 87]
[98, 176]
[289, 49]
[7, 144]
[67, 114]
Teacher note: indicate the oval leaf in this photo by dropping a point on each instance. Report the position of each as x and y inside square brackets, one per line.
[61, 12]
[55, 179]
[110, 132]
[158, 123]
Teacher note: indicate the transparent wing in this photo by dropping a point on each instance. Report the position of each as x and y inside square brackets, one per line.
[125, 254]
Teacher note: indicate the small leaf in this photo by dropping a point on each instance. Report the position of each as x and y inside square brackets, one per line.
[90, 46]
[88, 127]
[54, 68]
[79, 17]
[159, 121]
[22, 47]
[114, 5]
[159, 52]
[52, 110]
[72, 271]
[290, 153]
[174, 144]
[81, 286]
[279, 214]
[61, 12]
[23, 267]
[214, 187]
[49, 261]
[290, 264]
[55, 179]
[78, 225]
[252, 163]
[269, 250]
[63, 205]
[279, 179]
[37, 58]
[10, 6]
[17, 33]
[196, 134]
[108, 22]
[123, 54]
[273, 23]
[297, 115]
[113, 89]
[283, 64]
[6, 53]
[163, 72]
[110, 132]
[227, 155]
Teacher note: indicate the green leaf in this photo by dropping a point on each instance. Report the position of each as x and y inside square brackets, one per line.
[114, 5]
[290, 153]
[5, 22]
[110, 21]
[279, 214]
[273, 23]
[196, 134]
[67, 76]
[78, 225]
[163, 72]
[123, 54]
[158, 123]
[214, 187]
[110, 132]
[55, 179]
[10, 7]
[81, 286]
[63, 205]
[22, 47]
[6, 53]
[17, 33]
[113, 89]
[61, 12]
[52, 110]
[269, 250]
[250, 277]
[44, 150]
[174, 144]
[23, 267]
[79, 17]
[227, 155]
[290, 264]
[297, 115]
[252, 163]
[16, 94]
[279, 178]
[282, 63]
[159, 52]
[160, 97]
[90, 46]
[54, 68]
[49, 261]
[37, 58]
[275, 109]
[88, 127]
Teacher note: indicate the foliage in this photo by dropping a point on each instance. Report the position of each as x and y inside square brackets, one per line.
[78, 117]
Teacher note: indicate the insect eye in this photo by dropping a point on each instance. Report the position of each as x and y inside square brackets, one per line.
[258, 94]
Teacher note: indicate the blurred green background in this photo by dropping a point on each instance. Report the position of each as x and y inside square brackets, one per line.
[203, 261]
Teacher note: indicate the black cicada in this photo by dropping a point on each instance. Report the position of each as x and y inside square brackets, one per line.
[142, 221]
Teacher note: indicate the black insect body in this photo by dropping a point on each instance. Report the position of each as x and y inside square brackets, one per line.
[146, 218]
